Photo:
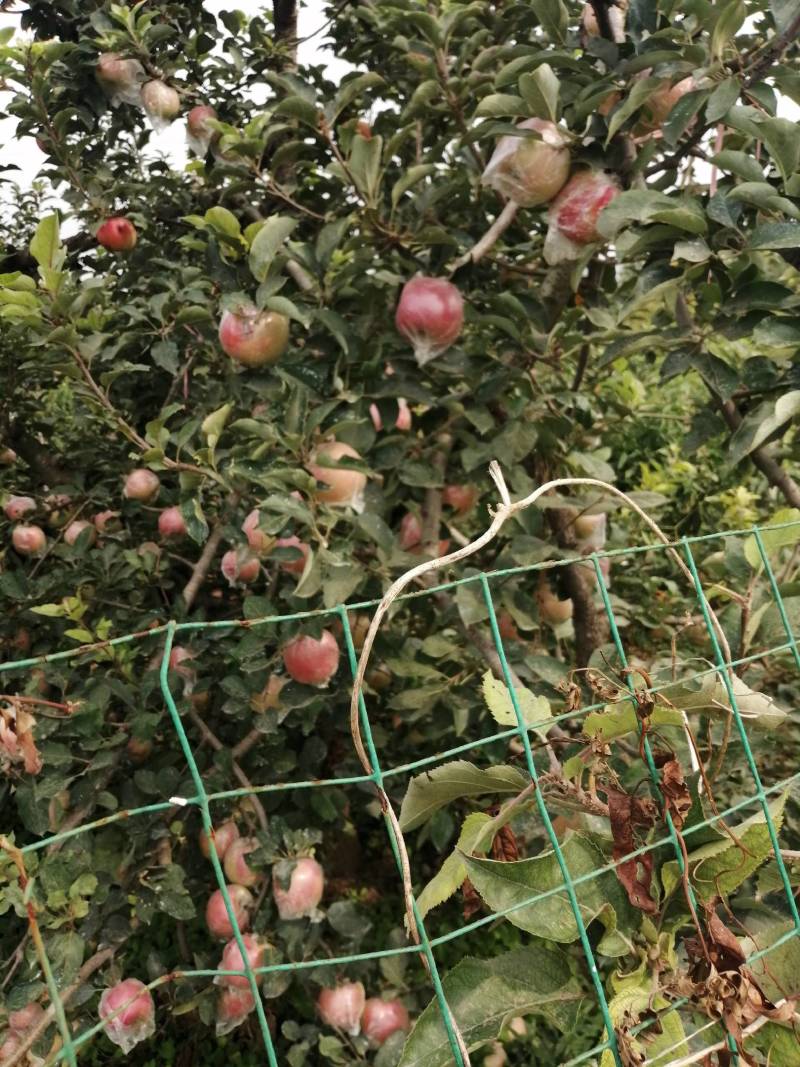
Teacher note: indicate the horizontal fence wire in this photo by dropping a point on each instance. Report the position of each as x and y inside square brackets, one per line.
[426, 945]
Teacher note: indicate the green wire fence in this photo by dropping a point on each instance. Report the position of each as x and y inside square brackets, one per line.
[426, 948]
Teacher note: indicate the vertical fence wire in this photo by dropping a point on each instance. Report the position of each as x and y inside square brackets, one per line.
[392, 830]
[522, 731]
[208, 827]
[724, 670]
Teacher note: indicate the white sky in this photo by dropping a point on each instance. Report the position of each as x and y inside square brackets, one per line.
[24, 153]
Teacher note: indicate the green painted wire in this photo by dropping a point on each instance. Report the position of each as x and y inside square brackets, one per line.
[522, 731]
[648, 752]
[441, 999]
[748, 752]
[208, 827]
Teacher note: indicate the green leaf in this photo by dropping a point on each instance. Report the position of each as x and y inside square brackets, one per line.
[365, 166]
[499, 105]
[46, 247]
[617, 720]
[639, 94]
[540, 92]
[351, 89]
[297, 107]
[223, 221]
[266, 244]
[409, 179]
[534, 710]
[709, 696]
[213, 424]
[782, 138]
[633, 998]
[554, 19]
[739, 163]
[730, 17]
[720, 866]
[775, 235]
[453, 872]
[760, 424]
[721, 101]
[512, 885]
[434, 789]
[637, 205]
[485, 994]
[774, 332]
[773, 540]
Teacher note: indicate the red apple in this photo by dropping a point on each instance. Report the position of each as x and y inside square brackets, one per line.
[117, 234]
[430, 314]
[658, 106]
[171, 523]
[342, 1007]
[240, 566]
[224, 836]
[404, 419]
[343, 487]
[233, 1007]
[460, 497]
[236, 869]
[136, 1019]
[616, 11]
[256, 951]
[139, 750]
[410, 531]
[217, 919]
[252, 337]
[26, 1018]
[530, 170]
[311, 661]
[141, 484]
[17, 507]
[551, 609]
[120, 78]
[294, 566]
[259, 541]
[104, 519]
[382, 1018]
[161, 101]
[76, 528]
[573, 215]
[29, 540]
[197, 121]
[306, 884]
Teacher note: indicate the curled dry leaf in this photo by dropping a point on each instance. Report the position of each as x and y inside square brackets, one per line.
[722, 987]
[627, 812]
[675, 791]
[17, 744]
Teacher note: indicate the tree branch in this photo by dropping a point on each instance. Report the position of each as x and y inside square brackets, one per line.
[761, 457]
[200, 570]
[588, 624]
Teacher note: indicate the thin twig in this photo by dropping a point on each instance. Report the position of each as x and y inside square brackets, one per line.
[489, 239]
[211, 738]
[200, 570]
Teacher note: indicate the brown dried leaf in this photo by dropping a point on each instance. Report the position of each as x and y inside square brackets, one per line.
[505, 847]
[676, 792]
[626, 812]
[472, 901]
